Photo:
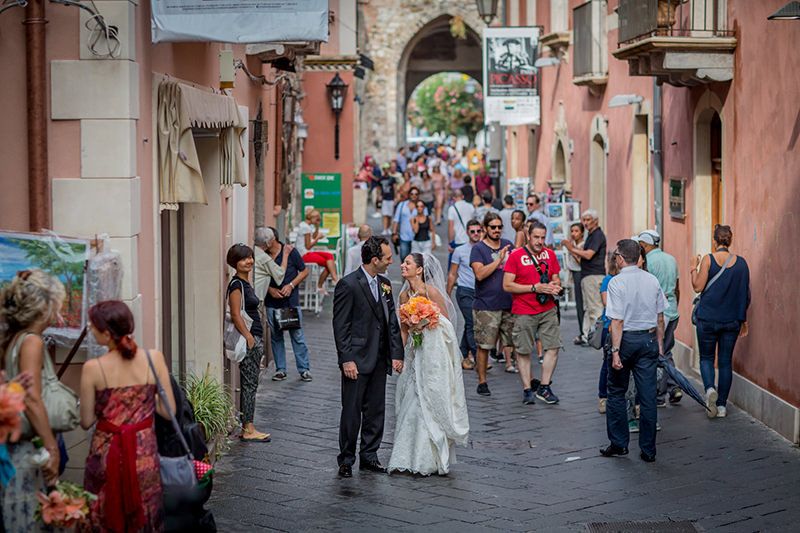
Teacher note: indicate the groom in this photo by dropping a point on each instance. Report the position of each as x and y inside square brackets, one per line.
[369, 346]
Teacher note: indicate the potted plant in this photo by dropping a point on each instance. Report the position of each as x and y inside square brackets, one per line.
[666, 14]
[213, 410]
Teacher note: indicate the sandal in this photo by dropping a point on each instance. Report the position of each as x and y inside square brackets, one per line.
[257, 437]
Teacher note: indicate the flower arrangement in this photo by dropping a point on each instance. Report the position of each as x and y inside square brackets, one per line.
[418, 314]
[12, 403]
[66, 507]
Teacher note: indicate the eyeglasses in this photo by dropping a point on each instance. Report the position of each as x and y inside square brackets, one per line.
[529, 203]
[475, 231]
[500, 226]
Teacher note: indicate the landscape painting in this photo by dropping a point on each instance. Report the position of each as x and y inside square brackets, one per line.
[64, 258]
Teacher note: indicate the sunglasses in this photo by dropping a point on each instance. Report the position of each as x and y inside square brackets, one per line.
[495, 227]
[475, 231]
[529, 203]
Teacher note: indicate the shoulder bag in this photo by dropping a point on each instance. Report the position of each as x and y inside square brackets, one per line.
[60, 402]
[696, 300]
[234, 341]
[183, 496]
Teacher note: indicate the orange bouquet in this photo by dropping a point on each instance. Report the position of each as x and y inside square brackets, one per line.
[418, 314]
[12, 403]
[66, 507]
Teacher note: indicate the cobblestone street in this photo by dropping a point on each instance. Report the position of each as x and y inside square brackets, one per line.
[528, 468]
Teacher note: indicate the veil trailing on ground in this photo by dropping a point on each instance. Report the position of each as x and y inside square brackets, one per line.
[434, 276]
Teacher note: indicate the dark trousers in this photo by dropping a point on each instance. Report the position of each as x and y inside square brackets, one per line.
[602, 385]
[717, 338]
[363, 406]
[465, 297]
[249, 369]
[576, 281]
[639, 354]
[666, 383]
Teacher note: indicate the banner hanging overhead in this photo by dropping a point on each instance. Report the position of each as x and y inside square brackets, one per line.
[510, 81]
[239, 21]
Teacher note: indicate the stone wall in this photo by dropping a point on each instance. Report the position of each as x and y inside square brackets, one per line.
[391, 29]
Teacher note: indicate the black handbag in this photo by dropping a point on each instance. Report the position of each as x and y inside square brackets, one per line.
[169, 445]
[287, 318]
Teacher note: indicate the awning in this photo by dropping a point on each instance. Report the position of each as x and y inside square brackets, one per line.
[180, 108]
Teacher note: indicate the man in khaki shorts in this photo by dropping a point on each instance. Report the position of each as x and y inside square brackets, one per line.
[531, 276]
[491, 308]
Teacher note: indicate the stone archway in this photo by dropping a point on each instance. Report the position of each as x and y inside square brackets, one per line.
[395, 36]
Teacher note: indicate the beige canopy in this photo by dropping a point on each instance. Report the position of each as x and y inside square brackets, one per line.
[180, 108]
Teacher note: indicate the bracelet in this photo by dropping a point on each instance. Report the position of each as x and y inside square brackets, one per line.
[292, 284]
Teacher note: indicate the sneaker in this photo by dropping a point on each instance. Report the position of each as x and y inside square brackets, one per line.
[661, 402]
[305, 376]
[511, 369]
[601, 405]
[675, 395]
[527, 397]
[541, 360]
[280, 375]
[545, 394]
[722, 411]
[535, 384]
[633, 426]
[468, 364]
[711, 402]
[483, 389]
[497, 356]
[658, 426]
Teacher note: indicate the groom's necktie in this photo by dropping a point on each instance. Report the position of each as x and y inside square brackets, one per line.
[373, 285]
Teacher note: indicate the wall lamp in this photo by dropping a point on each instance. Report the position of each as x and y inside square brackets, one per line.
[547, 62]
[621, 100]
[790, 11]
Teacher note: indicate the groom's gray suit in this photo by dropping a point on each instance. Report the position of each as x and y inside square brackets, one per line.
[367, 333]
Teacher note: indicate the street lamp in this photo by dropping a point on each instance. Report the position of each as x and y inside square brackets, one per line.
[337, 90]
[546, 62]
[790, 11]
[487, 9]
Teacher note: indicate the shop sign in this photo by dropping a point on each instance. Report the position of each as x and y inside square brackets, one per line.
[323, 192]
[677, 198]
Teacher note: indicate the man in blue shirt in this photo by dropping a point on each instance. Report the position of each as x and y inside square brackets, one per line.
[664, 267]
[462, 276]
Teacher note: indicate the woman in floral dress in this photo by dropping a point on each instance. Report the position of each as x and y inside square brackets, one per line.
[118, 392]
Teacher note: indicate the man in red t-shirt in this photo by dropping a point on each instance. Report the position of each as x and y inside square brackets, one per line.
[531, 276]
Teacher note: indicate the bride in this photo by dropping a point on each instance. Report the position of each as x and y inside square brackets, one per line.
[431, 410]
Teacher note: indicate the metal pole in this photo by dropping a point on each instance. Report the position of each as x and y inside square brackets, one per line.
[658, 159]
[336, 139]
[36, 64]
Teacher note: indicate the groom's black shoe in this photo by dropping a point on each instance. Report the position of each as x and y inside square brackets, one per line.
[372, 466]
[345, 471]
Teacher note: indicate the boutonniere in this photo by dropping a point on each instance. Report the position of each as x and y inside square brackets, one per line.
[386, 288]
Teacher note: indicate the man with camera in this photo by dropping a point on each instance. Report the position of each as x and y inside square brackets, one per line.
[531, 276]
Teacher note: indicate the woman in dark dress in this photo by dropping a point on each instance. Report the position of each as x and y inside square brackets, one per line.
[721, 316]
[240, 257]
[424, 237]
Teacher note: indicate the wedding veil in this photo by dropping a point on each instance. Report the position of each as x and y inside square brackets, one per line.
[434, 276]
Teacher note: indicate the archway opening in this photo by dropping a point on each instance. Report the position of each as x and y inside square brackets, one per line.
[445, 105]
[435, 49]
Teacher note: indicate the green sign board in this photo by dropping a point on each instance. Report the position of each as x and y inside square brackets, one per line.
[323, 192]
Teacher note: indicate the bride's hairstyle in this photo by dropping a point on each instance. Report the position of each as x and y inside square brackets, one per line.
[419, 260]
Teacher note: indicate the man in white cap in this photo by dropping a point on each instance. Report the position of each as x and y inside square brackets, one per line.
[664, 267]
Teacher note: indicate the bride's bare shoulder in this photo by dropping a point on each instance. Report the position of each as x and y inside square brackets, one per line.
[432, 291]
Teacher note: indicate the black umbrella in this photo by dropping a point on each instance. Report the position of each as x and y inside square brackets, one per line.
[682, 382]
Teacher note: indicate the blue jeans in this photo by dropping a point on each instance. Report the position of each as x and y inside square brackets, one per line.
[279, 349]
[465, 296]
[719, 338]
[602, 385]
[639, 355]
[405, 249]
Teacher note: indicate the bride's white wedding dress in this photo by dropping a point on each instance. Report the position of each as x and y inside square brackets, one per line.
[430, 407]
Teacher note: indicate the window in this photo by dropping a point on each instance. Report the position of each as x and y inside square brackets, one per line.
[591, 43]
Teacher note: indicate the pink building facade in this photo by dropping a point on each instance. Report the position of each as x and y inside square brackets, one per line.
[105, 175]
[729, 84]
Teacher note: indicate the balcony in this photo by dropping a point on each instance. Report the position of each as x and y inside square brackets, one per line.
[590, 67]
[680, 42]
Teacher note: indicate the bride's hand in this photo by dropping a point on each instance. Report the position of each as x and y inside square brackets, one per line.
[397, 365]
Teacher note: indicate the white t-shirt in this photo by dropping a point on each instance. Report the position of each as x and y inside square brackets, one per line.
[467, 211]
[509, 233]
[302, 230]
[353, 258]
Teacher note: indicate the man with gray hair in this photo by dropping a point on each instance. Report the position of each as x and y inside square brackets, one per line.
[593, 269]
[265, 268]
[354, 252]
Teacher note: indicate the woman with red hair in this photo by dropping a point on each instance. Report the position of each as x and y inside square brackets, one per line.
[118, 392]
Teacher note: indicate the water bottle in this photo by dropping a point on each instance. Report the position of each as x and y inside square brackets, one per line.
[40, 455]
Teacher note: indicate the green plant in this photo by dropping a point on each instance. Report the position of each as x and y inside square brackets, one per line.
[213, 409]
[448, 103]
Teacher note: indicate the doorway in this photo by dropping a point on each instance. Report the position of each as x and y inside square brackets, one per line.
[597, 178]
[707, 182]
[715, 138]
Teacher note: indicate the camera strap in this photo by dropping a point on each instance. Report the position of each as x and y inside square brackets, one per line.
[535, 262]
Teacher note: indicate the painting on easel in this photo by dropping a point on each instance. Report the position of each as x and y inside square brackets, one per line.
[62, 257]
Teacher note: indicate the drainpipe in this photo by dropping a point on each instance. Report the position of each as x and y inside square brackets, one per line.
[38, 179]
[658, 159]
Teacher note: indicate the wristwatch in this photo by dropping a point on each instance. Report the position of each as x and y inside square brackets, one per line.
[614, 349]
[533, 288]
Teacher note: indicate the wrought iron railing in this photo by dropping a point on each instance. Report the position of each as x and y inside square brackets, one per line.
[639, 19]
